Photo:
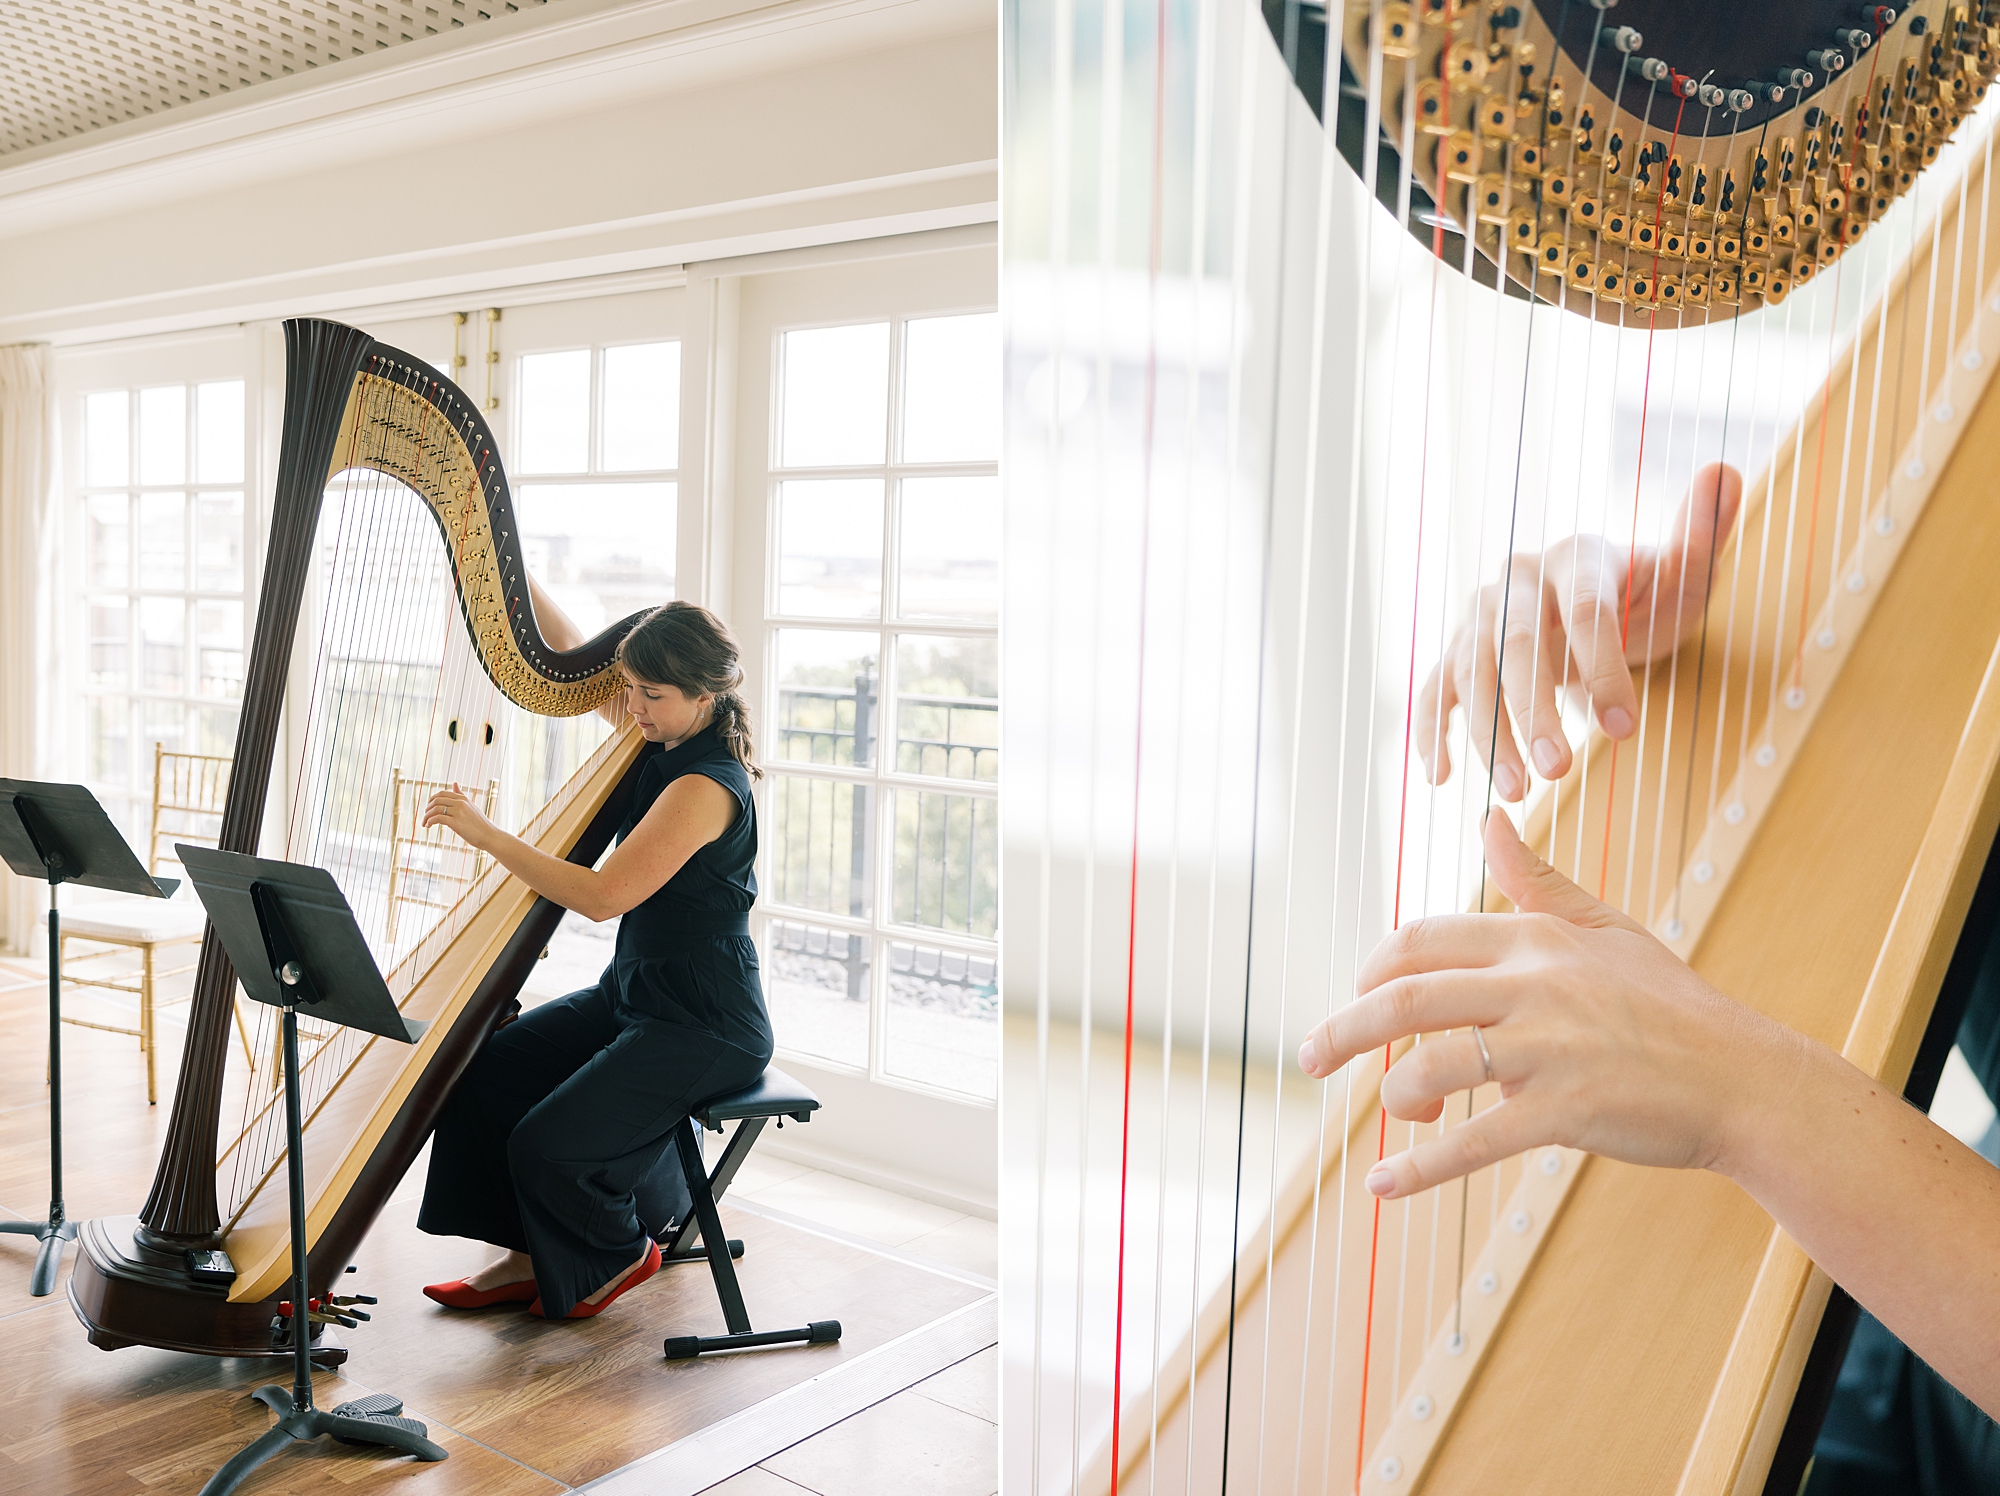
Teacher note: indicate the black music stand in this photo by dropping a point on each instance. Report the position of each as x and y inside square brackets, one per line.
[60, 832]
[293, 940]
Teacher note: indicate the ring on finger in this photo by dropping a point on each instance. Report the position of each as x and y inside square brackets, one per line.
[1485, 1056]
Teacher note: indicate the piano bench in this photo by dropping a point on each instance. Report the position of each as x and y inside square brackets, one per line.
[775, 1095]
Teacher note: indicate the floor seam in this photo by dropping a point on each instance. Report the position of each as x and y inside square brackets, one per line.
[868, 1244]
[918, 1391]
[797, 1484]
[49, 1303]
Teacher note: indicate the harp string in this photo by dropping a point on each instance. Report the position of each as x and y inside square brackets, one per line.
[1562, 264]
[1382, 589]
[1708, 571]
[1148, 402]
[1059, 97]
[1733, 667]
[383, 594]
[1329, 168]
[1695, 341]
[1109, 137]
[1188, 428]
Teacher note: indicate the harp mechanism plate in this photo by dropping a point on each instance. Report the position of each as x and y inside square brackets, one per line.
[1624, 193]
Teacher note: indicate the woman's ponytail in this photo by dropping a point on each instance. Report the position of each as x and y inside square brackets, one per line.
[732, 725]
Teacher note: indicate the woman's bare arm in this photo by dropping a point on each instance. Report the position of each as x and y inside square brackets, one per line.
[559, 632]
[1602, 1039]
[689, 814]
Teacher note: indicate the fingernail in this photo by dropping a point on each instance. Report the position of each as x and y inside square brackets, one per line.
[1548, 757]
[1618, 722]
[1507, 780]
[1308, 1058]
[1380, 1181]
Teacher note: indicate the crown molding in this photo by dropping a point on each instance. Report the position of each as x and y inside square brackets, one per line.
[560, 58]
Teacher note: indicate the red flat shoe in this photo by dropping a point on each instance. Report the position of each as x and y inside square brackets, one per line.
[458, 1295]
[632, 1279]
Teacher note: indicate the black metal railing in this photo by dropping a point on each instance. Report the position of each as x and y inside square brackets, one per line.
[823, 830]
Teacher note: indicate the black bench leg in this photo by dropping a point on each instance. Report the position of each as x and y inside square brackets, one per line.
[720, 1250]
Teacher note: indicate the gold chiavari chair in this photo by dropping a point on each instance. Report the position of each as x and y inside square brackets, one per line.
[188, 793]
[426, 859]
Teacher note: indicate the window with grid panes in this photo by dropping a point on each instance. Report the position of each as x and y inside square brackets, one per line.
[881, 728]
[160, 583]
[595, 433]
[597, 451]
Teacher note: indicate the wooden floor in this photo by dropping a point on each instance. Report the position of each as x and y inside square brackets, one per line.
[522, 1405]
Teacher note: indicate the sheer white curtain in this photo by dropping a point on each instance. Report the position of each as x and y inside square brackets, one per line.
[30, 702]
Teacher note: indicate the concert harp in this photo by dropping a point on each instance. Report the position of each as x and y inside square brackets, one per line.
[395, 558]
[1390, 293]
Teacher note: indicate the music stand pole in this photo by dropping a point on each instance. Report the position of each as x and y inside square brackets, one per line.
[293, 940]
[60, 832]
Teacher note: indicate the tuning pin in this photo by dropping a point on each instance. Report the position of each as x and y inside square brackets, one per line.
[1881, 17]
[1799, 78]
[1741, 100]
[1828, 60]
[1854, 38]
[1653, 70]
[1712, 95]
[1764, 91]
[1627, 39]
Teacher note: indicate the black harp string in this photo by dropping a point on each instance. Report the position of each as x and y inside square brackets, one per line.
[1257, 751]
[1506, 592]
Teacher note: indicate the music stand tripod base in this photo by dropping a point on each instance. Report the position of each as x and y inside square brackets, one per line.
[48, 1260]
[60, 833]
[293, 941]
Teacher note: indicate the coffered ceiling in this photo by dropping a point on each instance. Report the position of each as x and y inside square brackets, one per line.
[68, 67]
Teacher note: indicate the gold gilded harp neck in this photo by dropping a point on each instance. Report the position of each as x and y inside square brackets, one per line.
[406, 421]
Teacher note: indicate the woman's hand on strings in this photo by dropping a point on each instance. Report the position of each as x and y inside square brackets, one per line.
[1581, 613]
[453, 809]
[1600, 1037]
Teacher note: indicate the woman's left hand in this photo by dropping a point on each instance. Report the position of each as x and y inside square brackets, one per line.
[454, 810]
[1600, 1037]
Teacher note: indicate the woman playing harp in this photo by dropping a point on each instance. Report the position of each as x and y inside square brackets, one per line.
[1600, 1038]
[565, 1122]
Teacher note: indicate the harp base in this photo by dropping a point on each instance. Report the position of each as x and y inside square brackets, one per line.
[127, 1293]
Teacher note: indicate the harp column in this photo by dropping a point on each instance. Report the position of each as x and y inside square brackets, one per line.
[322, 359]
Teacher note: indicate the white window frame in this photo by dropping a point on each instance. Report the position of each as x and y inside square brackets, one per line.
[129, 368]
[897, 291]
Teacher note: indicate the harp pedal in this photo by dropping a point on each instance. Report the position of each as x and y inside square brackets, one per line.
[211, 1267]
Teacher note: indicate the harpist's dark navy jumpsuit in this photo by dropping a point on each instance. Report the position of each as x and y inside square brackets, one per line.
[558, 1141]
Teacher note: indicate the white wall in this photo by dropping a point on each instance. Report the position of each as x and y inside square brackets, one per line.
[490, 167]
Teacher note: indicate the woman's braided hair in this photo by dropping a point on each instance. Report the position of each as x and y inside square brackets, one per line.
[685, 646]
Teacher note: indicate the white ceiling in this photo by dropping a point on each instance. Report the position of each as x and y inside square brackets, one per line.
[68, 67]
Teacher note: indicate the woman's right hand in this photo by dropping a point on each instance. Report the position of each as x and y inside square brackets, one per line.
[1598, 1036]
[1585, 611]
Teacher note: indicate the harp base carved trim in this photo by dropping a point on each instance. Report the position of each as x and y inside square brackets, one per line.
[120, 1281]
